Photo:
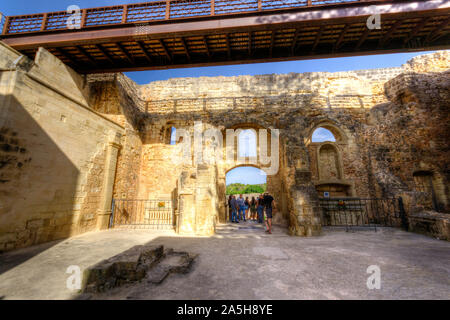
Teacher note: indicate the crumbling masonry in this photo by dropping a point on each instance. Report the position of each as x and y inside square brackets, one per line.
[70, 143]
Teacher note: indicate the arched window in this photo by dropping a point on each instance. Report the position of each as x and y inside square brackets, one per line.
[173, 136]
[170, 135]
[247, 143]
[323, 135]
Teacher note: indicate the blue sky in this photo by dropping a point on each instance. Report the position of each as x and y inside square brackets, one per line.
[246, 175]
[321, 135]
[242, 175]
[318, 65]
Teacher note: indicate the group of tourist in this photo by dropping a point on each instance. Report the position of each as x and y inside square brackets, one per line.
[260, 209]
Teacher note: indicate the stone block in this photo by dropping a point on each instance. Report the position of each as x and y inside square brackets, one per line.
[34, 224]
[302, 177]
[430, 223]
[129, 266]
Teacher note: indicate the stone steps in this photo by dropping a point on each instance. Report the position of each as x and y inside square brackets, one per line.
[172, 262]
[149, 262]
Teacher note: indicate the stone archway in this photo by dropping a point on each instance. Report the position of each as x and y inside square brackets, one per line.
[276, 183]
[199, 188]
[248, 178]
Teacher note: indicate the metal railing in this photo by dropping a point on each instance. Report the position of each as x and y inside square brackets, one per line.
[148, 214]
[156, 11]
[357, 212]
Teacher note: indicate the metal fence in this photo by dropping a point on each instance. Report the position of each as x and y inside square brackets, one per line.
[155, 11]
[359, 212]
[145, 214]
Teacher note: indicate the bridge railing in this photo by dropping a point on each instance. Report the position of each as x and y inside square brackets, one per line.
[153, 11]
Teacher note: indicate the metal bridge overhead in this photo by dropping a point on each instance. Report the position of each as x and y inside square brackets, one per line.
[189, 33]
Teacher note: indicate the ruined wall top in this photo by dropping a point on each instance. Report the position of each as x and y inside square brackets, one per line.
[358, 82]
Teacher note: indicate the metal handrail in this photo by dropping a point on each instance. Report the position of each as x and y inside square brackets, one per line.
[163, 10]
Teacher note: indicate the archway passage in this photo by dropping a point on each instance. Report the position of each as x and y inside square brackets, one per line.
[247, 183]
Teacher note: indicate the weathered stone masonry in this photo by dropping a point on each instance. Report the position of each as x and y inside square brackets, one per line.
[54, 151]
[70, 143]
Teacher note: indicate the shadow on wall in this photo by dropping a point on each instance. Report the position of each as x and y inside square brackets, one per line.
[37, 182]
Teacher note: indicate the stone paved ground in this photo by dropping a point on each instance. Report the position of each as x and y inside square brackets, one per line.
[241, 262]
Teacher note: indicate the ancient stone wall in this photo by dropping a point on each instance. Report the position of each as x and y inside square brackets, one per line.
[299, 103]
[53, 151]
[410, 138]
[115, 97]
[84, 140]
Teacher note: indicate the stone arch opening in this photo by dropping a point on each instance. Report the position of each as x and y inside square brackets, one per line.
[173, 136]
[327, 144]
[265, 157]
[247, 180]
[322, 135]
[321, 130]
[169, 134]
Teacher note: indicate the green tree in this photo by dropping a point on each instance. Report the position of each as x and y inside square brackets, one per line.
[239, 188]
[253, 189]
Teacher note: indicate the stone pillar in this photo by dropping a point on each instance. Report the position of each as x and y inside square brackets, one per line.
[206, 200]
[186, 203]
[222, 198]
[198, 207]
[104, 211]
[305, 220]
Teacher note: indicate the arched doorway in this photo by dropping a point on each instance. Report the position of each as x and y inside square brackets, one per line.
[255, 147]
[247, 182]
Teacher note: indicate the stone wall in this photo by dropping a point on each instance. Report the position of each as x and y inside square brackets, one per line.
[84, 140]
[409, 150]
[53, 151]
[411, 133]
[115, 97]
[361, 107]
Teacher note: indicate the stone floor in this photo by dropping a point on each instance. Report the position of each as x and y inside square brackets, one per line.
[242, 262]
